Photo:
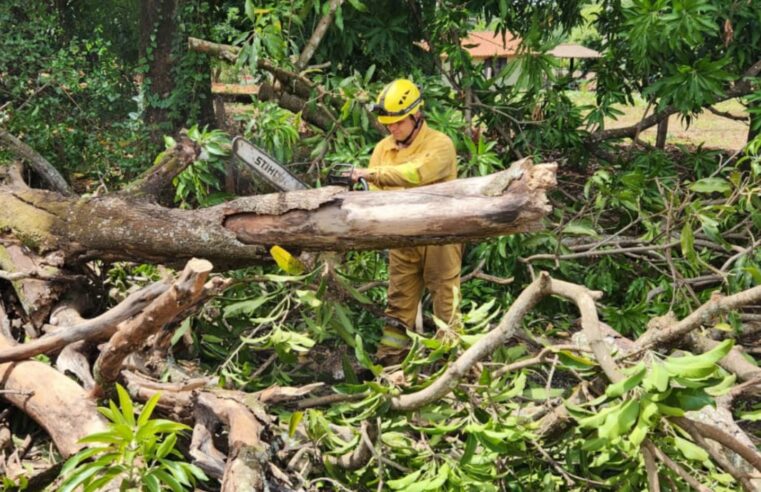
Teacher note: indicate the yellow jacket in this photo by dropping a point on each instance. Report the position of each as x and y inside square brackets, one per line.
[431, 158]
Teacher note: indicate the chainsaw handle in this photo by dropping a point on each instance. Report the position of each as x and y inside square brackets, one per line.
[363, 184]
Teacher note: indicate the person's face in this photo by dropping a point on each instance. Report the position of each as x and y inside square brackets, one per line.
[401, 129]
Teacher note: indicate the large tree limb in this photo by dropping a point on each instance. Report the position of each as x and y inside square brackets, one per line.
[115, 227]
[503, 203]
[40, 165]
[706, 313]
[299, 89]
[158, 178]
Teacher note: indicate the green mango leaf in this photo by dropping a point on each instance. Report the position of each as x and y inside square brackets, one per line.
[698, 366]
[308, 298]
[570, 359]
[166, 446]
[580, 228]
[244, 308]
[620, 421]
[687, 239]
[711, 185]
[656, 378]
[723, 387]
[690, 450]
[617, 389]
[362, 357]
[405, 481]
[125, 402]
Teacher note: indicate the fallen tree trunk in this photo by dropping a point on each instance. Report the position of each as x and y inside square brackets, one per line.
[123, 226]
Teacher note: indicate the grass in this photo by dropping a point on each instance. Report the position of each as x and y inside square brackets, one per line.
[710, 130]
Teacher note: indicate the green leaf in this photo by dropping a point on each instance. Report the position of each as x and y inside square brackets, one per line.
[126, 405]
[78, 477]
[360, 7]
[711, 185]
[245, 308]
[580, 228]
[687, 238]
[167, 479]
[308, 298]
[698, 366]
[405, 481]
[690, 450]
[723, 387]
[250, 10]
[657, 378]
[166, 446]
[147, 411]
[619, 422]
[293, 422]
[363, 358]
[151, 482]
[570, 359]
[617, 389]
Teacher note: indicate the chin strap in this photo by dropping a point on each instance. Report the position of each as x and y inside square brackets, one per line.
[418, 122]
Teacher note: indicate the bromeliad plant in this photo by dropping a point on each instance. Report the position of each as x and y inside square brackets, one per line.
[137, 453]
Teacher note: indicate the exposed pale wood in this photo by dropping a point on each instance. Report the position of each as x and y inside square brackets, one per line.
[54, 401]
[455, 211]
[184, 293]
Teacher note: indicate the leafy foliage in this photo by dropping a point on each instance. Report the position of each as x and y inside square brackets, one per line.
[136, 452]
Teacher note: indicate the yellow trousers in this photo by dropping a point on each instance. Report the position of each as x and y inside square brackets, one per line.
[436, 268]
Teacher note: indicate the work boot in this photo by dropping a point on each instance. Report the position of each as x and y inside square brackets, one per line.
[390, 356]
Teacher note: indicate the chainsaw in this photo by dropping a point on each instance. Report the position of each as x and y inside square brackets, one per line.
[340, 175]
[266, 167]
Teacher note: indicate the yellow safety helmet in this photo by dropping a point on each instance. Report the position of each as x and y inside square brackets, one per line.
[397, 100]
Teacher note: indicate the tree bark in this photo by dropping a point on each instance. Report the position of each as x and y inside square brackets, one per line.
[157, 28]
[663, 131]
[122, 227]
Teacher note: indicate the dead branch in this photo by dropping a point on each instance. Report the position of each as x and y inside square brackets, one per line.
[719, 458]
[356, 459]
[318, 34]
[185, 293]
[159, 177]
[653, 483]
[299, 89]
[96, 329]
[717, 305]
[485, 346]
[752, 456]
[40, 165]
[675, 467]
[55, 402]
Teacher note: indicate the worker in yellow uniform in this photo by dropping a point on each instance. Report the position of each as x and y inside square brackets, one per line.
[413, 155]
